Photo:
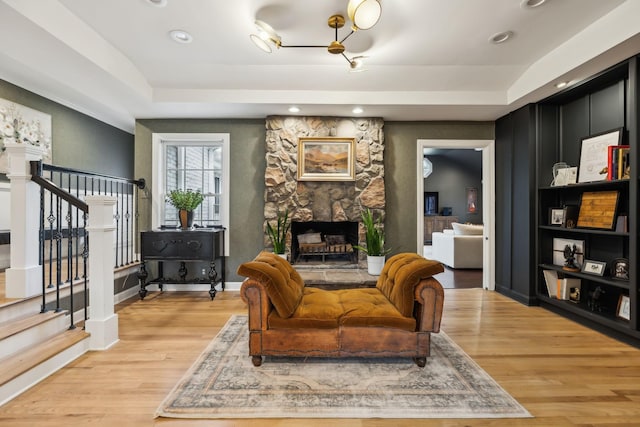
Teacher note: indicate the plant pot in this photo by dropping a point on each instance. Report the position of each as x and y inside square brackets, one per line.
[375, 264]
[283, 256]
[186, 219]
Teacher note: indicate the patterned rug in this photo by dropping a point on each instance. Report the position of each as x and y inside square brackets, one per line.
[223, 383]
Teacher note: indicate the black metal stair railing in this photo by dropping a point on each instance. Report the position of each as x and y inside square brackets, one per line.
[63, 217]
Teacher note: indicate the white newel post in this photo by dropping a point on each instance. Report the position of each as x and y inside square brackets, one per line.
[103, 322]
[24, 275]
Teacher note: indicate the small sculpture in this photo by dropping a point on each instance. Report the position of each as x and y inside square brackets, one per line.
[595, 296]
[570, 258]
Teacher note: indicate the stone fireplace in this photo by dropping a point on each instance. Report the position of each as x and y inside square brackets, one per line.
[323, 202]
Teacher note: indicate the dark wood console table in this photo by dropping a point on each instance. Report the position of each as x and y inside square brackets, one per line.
[202, 244]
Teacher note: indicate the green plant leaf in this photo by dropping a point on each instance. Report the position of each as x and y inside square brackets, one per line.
[185, 199]
[278, 235]
[374, 235]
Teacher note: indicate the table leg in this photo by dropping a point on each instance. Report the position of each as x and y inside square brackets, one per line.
[213, 278]
[142, 278]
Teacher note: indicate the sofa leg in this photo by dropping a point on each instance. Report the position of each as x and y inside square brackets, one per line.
[257, 360]
[420, 361]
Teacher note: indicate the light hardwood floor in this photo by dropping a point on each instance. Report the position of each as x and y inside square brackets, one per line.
[563, 373]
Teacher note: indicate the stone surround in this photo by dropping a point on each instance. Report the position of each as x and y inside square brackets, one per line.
[328, 200]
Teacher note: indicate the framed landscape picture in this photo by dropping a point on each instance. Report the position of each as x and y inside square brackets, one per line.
[326, 159]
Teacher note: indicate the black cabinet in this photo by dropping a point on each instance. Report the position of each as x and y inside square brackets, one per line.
[182, 246]
[605, 102]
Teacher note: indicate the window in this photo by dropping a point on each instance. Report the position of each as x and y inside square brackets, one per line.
[195, 166]
[191, 161]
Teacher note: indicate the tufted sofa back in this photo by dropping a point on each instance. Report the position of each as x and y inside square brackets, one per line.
[400, 275]
[281, 281]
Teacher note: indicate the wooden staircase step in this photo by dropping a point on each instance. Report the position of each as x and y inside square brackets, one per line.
[13, 327]
[13, 366]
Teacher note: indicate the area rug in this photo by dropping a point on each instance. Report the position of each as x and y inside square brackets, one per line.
[223, 383]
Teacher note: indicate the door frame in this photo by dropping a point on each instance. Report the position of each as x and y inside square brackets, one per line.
[488, 193]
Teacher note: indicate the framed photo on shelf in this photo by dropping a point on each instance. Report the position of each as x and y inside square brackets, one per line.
[565, 176]
[623, 310]
[575, 251]
[598, 209]
[594, 267]
[620, 269]
[326, 159]
[594, 153]
[556, 216]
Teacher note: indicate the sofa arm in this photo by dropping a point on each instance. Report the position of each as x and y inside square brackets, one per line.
[255, 295]
[429, 297]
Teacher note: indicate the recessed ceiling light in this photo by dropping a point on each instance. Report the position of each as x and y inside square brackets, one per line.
[294, 109]
[560, 85]
[181, 36]
[157, 3]
[501, 37]
[357, 110]
[530, 4]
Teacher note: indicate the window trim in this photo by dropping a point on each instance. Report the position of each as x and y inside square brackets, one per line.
[158, 173]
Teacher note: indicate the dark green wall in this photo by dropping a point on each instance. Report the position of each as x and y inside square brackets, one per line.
[247, 178]
[79, 141]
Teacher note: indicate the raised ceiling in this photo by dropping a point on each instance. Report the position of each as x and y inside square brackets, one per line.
[427, 59]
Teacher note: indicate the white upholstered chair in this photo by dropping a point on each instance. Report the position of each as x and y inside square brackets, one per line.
[460, 247]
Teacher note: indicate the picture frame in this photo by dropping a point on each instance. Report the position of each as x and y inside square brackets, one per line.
[556, 216]
[431, 203]
[624, 307]
[326, 159]
[472, 200]
[596, 268]
[620, 269]
[594, 151]
[559, 245]
[598, 209]
[565, 176]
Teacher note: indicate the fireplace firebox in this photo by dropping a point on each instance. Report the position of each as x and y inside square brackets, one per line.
[328, 242]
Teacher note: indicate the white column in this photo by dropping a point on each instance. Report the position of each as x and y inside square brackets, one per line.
[24, 276]
[102, 323]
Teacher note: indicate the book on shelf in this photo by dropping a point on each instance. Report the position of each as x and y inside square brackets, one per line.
[622, 223]
[618, 166]
[551, 280]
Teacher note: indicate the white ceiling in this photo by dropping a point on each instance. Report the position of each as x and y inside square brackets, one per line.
[428, 59]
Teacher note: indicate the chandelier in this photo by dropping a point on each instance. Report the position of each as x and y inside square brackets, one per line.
[363, 15]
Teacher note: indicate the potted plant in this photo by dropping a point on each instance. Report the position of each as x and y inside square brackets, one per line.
[186, 201]
[374, 238]
[278, 235]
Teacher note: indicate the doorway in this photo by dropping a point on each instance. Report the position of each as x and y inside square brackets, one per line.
[488, 191]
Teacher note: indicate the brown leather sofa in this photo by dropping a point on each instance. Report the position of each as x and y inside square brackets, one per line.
[394, 319]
